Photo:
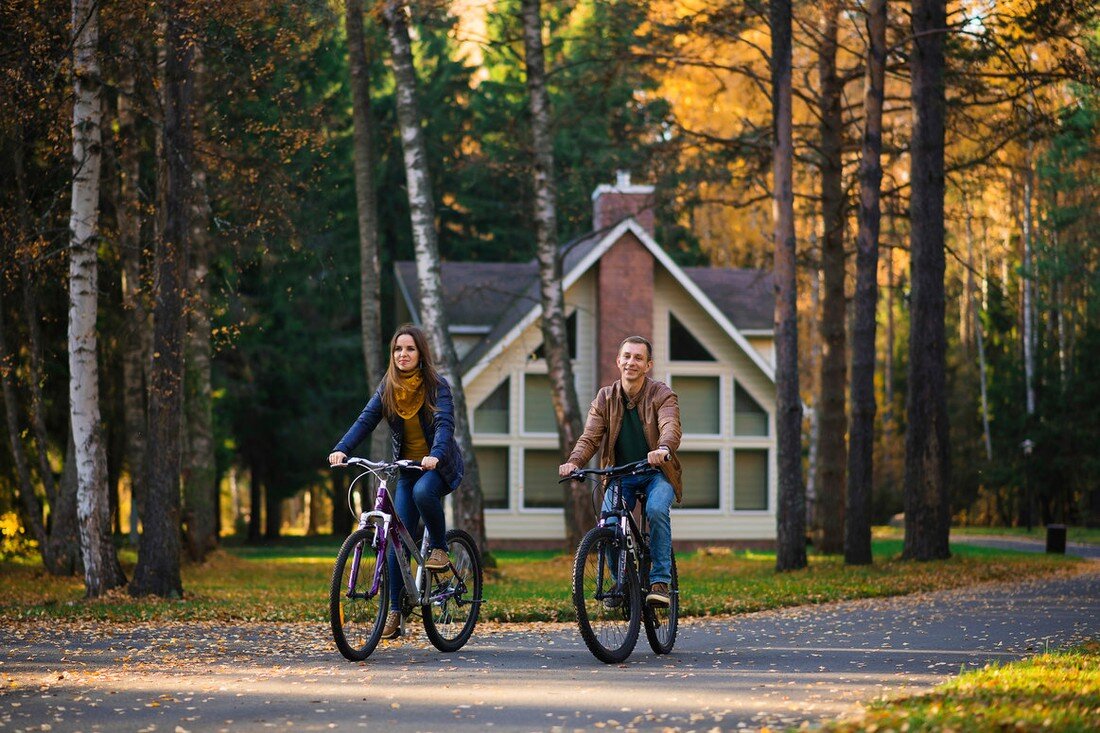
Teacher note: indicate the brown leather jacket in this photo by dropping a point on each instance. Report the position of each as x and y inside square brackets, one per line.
[659, 409]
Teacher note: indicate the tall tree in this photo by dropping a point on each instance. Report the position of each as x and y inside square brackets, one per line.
[200, 473]
[861, 448]
[563, 391]
[791, 514]
[469, 504]
[102, 571]
[832, 423]
[927, 494]
[366, 205]
[158, 568]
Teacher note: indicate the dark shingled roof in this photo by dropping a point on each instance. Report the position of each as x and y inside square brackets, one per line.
[497, 295]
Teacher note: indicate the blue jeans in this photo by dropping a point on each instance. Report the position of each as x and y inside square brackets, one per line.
[659, 497]
[417, 495]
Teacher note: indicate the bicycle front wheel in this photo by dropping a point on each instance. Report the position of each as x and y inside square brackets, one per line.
[661, 623]
[454, 598]
[608, 612]
[357, 617]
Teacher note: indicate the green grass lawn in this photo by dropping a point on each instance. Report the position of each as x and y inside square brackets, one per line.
[1056, 691]
[289, 582]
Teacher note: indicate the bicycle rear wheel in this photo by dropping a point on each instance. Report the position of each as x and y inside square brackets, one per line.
[356, 616]
[455, 595]
[661, 623]
[608, 613]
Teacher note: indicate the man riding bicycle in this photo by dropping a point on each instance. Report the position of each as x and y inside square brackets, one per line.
[636, 419]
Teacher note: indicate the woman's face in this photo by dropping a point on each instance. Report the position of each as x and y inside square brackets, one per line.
[405, 354]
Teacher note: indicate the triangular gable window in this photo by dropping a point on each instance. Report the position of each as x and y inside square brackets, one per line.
[682, 345]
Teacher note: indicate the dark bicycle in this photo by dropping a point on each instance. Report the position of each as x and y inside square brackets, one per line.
[611, 573]
[448, 601]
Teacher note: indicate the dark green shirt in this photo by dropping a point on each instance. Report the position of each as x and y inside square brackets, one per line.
[630, 445]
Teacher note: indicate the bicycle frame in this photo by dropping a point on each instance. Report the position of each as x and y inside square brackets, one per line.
[631, 534]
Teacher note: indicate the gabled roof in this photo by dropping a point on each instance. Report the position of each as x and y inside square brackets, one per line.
[504, 297]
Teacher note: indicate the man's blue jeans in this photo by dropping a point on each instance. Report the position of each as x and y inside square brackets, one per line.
[659, 497]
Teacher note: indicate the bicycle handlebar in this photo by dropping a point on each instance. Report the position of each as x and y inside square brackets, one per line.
[627, 469]
[378, 465]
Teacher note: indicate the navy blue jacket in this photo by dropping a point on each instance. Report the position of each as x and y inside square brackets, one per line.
[438, 427]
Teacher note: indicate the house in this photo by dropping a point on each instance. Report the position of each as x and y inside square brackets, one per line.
[712, 335]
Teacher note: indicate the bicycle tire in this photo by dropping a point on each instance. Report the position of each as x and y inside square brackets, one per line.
[357, 622]
[661, 624]
[608, 623]
[455, 598]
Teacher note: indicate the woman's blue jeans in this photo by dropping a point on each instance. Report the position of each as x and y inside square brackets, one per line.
[658, 504]
[418, 495]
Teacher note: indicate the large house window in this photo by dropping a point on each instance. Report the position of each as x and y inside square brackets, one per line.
[540, 479]
[491, 416]
[682, 345]
[749, 418]
[701, 479]
[492, 462]
[570, 337]
[538, 410]
[750, 480]
[699, 404]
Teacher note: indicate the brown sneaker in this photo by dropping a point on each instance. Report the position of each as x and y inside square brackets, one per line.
[658, 595]
[437, 561]
[392, 629]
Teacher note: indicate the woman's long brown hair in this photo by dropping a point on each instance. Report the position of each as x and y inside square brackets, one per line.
[395, 379]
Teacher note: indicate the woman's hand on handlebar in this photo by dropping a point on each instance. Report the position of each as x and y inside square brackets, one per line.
[566, 468]
[336, 458]
[429, 463]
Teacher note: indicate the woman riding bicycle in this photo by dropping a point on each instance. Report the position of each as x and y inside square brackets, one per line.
[416, 403]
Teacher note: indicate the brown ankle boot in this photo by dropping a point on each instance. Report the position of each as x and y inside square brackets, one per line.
[437, 560]
[392, 629]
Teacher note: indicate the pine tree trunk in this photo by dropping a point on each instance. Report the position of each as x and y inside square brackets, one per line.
[200, 474]
[555, 339]
[134, 314]
[158, 568]
[102, 570]
[832, 422]
[366, 202]
[32, 507]
[861, 448]
[791, 511]
[927, 485]
[255, 503]
[273, 515]
[61, 554]
[815, 389]
[469, 505]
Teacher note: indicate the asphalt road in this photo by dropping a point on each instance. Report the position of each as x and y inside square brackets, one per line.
[775, 668]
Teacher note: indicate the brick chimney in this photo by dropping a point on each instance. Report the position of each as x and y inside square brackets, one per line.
[625, 273]
[611, 203]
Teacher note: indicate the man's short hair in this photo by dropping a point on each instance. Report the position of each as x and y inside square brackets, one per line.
[638, 340]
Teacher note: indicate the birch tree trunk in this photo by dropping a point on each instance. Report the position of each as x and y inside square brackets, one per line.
[28, 499]
[158, 568]
[832, 422]
[366, 202]
[469, 505]
[200, 474]
[102, 571]
[861, 448]
[134, 314]
[791, 512]
[927, 494]
[555, 339]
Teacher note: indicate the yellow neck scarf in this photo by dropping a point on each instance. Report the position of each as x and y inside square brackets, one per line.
[408, 394]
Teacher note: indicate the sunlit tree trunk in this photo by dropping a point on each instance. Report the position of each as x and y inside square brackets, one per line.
[976, 328]
[555, 339]
[366, 202]
[861, 447]
[832, 421]
[158, 568]
[791, 512]
[102, 570]
[200, 474]
[927, 486]
[469, 504]
[815, 390]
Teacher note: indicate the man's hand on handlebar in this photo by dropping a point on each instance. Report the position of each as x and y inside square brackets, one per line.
[659, 456]
[566, 468]
[336, 458]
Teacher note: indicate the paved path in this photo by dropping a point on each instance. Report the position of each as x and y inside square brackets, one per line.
[774, 668]
[1024, 544]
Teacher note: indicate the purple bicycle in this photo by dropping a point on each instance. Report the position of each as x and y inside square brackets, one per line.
[448, 601]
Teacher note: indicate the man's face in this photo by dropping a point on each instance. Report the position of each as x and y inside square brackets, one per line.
[633, 362]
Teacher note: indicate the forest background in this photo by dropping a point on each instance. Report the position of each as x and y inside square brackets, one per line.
[676, 93]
